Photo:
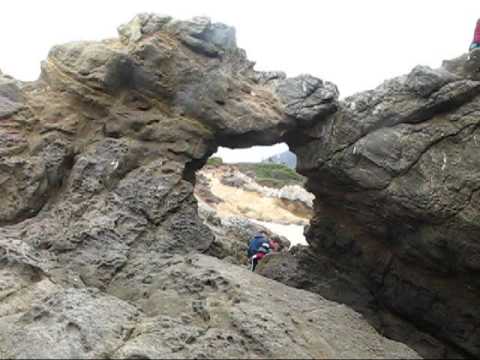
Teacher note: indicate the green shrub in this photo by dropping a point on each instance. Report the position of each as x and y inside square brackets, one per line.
[273, 175]
[215, 161]
[276, 171]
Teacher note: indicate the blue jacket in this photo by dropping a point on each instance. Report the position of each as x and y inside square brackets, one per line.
[256, 244]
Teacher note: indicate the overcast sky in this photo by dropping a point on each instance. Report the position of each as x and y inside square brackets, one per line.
[355, 44]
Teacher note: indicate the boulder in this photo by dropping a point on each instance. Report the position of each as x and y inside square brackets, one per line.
[165, 306]
[200, 307]
[303, 268]
[307, 98]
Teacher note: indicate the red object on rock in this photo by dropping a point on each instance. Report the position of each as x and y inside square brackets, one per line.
[259, 256]
[274, 245]
[476, 36]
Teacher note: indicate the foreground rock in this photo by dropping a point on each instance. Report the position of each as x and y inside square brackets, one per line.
[395, 174]
[179, 307]
[302, 268]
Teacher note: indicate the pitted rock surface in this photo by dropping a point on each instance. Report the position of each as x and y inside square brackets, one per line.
[396, 179]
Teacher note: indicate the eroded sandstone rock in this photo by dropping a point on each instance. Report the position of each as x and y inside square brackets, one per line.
[98, 155]
[97, 167]
[164, 306]
[96, 172]
[303, 268]
[396, 179]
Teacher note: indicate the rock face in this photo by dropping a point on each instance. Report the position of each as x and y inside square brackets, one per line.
[396, 176]
[97, 165]
[306, 269]
[165, 306]
[98, 215]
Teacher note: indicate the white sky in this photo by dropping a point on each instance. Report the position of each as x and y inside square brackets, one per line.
[355, 44]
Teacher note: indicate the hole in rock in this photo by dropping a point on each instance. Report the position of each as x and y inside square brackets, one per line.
[243, 191]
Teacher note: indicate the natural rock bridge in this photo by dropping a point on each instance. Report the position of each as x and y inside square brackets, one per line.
[97, 172]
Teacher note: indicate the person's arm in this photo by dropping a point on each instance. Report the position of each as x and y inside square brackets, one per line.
[268, 251]
[274, 245]
[253, 262]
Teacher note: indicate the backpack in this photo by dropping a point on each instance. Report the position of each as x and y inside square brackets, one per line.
[255, 245]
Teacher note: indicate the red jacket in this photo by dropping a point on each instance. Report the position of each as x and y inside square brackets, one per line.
[476, 36]
[259, 256]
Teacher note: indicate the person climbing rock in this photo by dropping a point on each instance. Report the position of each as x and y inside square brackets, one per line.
[472, 64]
[255, 244]
[476, 37]
[259, 247]
[261, 253]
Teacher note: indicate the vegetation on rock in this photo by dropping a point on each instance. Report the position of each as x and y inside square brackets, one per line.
[272, 175]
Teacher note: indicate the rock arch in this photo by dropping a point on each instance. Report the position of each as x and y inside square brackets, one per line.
[98, 156]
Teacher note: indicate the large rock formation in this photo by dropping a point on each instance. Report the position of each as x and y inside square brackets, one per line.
[98, 155]
[96, 171]
[396, 176]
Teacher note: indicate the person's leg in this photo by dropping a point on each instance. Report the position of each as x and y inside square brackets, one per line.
[254, 263]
